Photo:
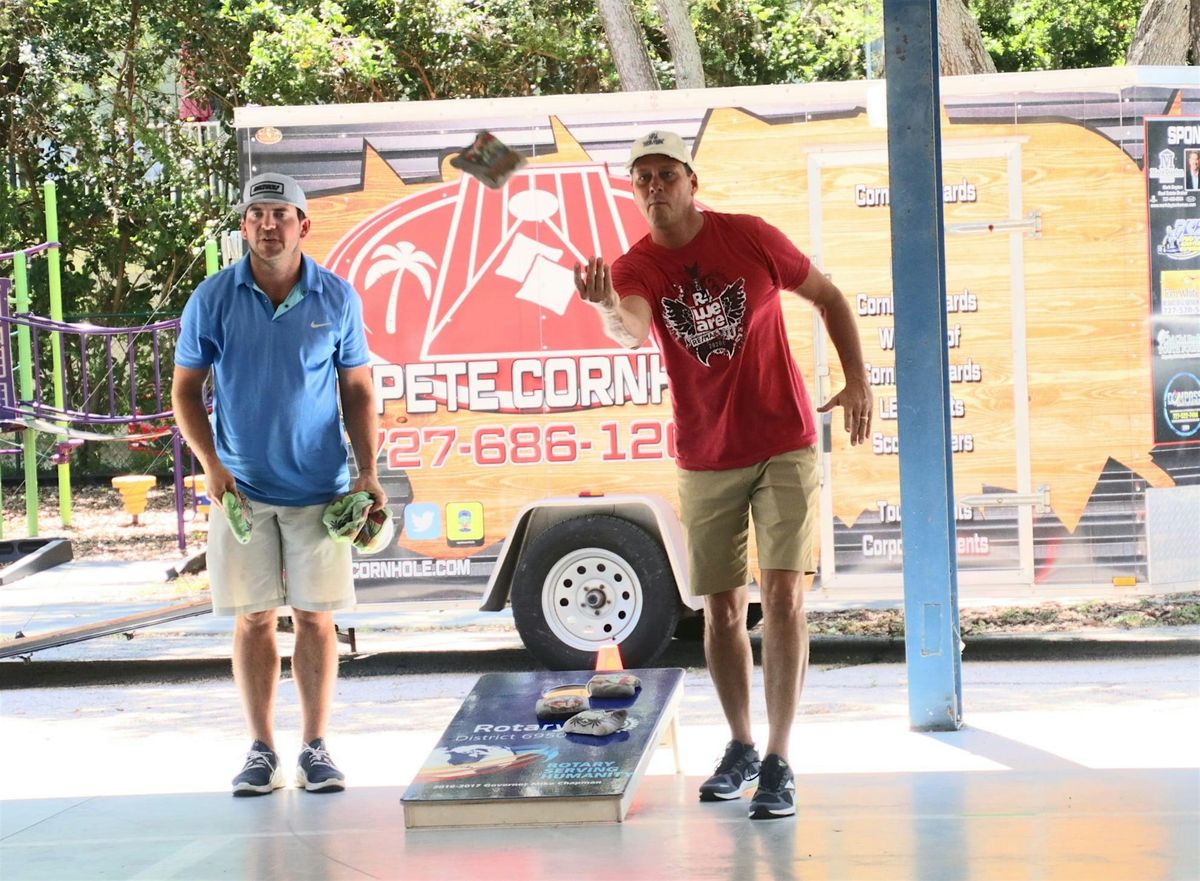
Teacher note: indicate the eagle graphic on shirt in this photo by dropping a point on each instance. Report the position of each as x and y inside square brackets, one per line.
[711, 325]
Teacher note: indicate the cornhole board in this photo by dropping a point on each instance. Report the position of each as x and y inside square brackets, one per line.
[496, 764]
[23, 557]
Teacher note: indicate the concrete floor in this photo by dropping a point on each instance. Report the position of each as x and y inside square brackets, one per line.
[1085, 770]
[1072, 823]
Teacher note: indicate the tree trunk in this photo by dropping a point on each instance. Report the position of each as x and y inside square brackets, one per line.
[960, 43]
[685, 51]
[125, 105]
[1194, 32]
[628, 46]
[1161, 36]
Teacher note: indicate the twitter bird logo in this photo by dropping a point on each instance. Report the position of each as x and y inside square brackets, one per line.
[422, 521]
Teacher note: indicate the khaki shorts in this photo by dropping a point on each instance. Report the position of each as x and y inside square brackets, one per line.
[780, 493]
[289, 561]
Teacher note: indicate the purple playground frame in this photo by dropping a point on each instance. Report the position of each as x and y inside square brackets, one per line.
[112, 402]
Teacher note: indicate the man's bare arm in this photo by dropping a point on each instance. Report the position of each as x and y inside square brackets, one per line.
[362, 425]
[187, 399]
[627, 320]
[855, 398]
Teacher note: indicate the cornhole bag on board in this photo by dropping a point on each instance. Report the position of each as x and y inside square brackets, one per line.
[597, 723]
[556, 708]
[613, 685]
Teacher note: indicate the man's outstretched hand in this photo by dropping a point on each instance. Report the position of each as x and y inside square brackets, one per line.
[856, 401]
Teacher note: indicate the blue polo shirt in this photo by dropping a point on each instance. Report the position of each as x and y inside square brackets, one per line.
[275, 406]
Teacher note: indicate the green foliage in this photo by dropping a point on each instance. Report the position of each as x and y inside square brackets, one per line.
[309, 56]
[372, 50]
[1056, 34]
[91, 113]
[748, 42]
[1186, 615]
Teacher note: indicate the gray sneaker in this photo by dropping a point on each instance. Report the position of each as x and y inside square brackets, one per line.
[261, 774]
[316, 771]
[776, 786]
[734, 774]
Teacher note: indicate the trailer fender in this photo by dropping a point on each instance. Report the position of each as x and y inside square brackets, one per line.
[650, 512]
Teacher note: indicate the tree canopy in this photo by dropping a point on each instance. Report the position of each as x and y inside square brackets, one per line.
[90, 92]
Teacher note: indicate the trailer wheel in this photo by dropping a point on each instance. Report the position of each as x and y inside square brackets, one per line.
[589, 581]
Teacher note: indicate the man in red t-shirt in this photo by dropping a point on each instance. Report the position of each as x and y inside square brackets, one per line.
[709, 285]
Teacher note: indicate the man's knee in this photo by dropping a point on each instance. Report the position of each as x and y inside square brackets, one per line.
[782, 594]
[257, 624]
[312, 623]
[726, 612]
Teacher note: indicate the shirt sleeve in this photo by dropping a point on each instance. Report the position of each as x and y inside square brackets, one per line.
[627, 280]
[352, 343]
[194, 348]
[789, 266]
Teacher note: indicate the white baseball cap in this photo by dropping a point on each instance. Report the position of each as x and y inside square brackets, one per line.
[274, 188]
[659, 142]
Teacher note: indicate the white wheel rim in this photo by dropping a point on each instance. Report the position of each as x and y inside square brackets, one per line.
[590, 597]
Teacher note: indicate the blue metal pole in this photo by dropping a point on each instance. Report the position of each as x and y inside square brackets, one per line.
[922, 366]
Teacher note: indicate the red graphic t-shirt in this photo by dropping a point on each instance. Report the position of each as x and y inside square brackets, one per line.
[737, 394]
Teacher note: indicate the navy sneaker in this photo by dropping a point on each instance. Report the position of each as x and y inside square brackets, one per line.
[316, 771]
[261, 774]
[734, 774]
[776, 786]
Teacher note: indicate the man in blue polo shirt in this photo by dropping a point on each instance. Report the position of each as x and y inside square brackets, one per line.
[283, 338]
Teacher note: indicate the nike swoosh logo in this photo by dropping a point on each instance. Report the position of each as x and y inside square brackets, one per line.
[314, 324]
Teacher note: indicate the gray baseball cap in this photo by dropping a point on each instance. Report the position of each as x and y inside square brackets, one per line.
[273, 188]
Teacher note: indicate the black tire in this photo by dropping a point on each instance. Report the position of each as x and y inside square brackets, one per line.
[691, 628]
[590, 580]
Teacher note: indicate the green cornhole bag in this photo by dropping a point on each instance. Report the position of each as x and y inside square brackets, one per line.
[349, 518]
[237, 512]
[346, 515]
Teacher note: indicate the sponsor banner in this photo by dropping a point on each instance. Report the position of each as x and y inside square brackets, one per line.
[1173, 208]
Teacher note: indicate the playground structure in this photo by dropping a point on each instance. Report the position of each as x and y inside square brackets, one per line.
[79, 382]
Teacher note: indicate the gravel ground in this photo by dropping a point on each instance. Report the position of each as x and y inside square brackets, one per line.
[102, 530]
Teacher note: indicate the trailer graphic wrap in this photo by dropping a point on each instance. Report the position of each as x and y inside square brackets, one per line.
[498, 386]
[466, 287]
